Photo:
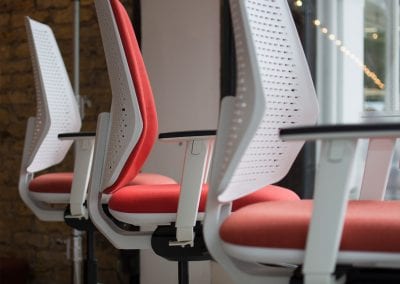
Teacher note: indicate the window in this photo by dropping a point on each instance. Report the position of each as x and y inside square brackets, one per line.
[381, 55]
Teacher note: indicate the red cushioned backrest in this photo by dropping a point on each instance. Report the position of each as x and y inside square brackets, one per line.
[144, 96]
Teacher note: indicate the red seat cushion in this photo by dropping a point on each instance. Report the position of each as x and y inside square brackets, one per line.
[150, 178]
[52, 183]
[164, 198]
[62, 182]
[369, 225]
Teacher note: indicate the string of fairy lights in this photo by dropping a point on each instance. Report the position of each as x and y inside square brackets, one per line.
[345, 50]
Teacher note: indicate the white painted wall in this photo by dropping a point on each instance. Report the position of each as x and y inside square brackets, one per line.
[180, 41]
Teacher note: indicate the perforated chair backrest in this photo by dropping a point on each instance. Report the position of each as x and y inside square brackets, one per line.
[134, 125]
[274, 90]
[57, 109]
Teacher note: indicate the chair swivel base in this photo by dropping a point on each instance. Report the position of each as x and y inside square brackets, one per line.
[163, 235]
[160, 242]
[82, 224]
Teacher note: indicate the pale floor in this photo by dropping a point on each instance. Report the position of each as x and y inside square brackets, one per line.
[201, 272]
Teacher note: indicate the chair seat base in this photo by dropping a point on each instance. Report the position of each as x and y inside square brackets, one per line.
[357, 275]
[286, 257]
[369, 226]
[141, 219]
[163, 235]
[80, 224]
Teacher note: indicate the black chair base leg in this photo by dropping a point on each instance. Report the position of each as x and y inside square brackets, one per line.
[183, 272]
[91, 262]
[91, 272]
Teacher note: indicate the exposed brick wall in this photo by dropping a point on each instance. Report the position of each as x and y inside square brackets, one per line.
[21, 234]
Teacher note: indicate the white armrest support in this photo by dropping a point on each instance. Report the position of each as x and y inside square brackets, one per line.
[332, 189]
[82, 168]
[196, 166]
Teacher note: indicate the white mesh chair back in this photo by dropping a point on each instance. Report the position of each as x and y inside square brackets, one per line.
[274, 90]
[57, 109]
[125, 117]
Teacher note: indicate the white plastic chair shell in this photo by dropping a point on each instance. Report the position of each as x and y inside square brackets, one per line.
[125, 120]
[274, 90]
[57, 109]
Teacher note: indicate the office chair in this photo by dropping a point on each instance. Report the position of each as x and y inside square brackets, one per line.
[176, 210]
[56, 112]
[49, 136]
[51, 133]
[327, 240]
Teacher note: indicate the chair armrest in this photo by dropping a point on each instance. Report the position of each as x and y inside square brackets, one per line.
[84, 147]
[380, 150]
[181, 136]
[77, 136]
[341, 131]
[332, 185]
[331, 194]
[196, 166]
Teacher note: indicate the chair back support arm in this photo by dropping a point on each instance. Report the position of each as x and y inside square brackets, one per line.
[218, 211]
[41, 211]
[119, 238]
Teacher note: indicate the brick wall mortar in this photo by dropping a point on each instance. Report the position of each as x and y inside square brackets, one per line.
[21, 234]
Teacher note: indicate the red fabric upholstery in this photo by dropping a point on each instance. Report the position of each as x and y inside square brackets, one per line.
[148, 199]
[150, 178]
[62, 182]
[144, 96]
[52, 183]
[164, 198]
[268, 193]
[369, 226]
